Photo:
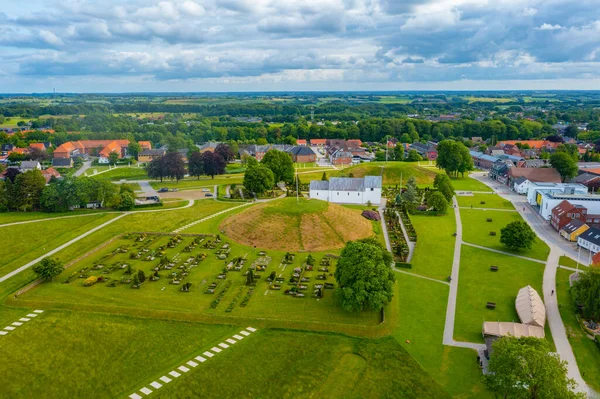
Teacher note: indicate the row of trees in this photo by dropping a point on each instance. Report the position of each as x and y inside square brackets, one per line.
[172, 165]
[28, 191]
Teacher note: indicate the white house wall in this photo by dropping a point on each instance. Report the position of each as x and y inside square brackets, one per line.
[348, 197]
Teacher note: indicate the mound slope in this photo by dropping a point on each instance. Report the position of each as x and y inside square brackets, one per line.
[285, 225]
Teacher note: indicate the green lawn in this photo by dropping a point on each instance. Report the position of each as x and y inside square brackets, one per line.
[23, 243]
[476, 230]
[127, 173]
[585, 350]
[323, 366]
[478, 285]
[393, 172]
[435, 245]
[568, 262]
[191, 183]
[489, 201]
[12, 217]
[63, 354]
[469, 184]
[420, 331]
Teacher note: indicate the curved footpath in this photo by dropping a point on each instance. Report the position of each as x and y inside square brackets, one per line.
[557, 327]
[87, 233]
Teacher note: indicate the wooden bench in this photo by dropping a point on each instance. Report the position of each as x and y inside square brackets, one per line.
[494, 268]
[491, 305]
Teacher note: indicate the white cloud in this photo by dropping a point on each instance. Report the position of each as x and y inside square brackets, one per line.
[51, 38]
[546, 26]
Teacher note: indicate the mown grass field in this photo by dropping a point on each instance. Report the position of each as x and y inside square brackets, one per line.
[585, 350]
[435, 245]
[323, 366]
[420, 331]
[478, 285]
[75, 354]
[124, 173]
[469, 184]
[476, 230]
[490, 201]
[23, 243]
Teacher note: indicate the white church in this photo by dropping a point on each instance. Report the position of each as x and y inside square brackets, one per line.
[348, 190]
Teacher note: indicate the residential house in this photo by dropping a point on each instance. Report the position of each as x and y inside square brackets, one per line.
[39, 146]
[572, 230]
[499, 171]
[548, 175]
[348, 190]
[589, 180]
[145, 145]
[318, 142]
[30, 165]
[91, 147]
[62, 162]
[483, 161]
[565, 212]
[149, 155]
[301, 142]
[50, 173]
[302, 154]
[210, 146]
[427, 151]
[590, 240]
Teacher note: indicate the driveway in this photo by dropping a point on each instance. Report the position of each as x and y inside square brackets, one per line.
[86, 165]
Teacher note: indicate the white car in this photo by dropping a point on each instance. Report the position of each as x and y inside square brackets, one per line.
[205, 190]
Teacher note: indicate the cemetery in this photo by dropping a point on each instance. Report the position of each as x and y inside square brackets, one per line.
[205, 274]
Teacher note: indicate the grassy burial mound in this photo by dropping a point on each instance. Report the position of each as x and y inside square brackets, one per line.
[286, 225]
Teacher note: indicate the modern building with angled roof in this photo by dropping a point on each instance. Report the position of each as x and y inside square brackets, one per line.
[348, 190]
[530, 308]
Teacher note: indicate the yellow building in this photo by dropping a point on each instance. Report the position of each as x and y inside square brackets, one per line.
[573, 229]
[148, 155]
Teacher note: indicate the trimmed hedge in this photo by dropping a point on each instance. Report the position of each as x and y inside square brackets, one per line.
[156, 205]
[404, 265]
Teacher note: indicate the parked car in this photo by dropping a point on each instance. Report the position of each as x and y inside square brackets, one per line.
[205, 190]
[208, 195]
[163, 190]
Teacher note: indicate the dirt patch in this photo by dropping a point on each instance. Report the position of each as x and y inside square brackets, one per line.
[318, 231]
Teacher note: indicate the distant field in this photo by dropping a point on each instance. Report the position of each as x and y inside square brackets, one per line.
[490, 99]
[12, 121]
[394, 100]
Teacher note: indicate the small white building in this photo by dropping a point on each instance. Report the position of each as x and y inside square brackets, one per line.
[348, 190]
[30, 165]
[590, 240]
[103, 160]
[521, 185]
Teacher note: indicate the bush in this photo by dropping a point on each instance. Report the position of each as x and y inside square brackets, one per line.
[371, 215]
[404, 265]
[90, 281]
[597, 340]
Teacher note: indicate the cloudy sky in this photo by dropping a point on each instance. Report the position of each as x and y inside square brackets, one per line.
[261, 45]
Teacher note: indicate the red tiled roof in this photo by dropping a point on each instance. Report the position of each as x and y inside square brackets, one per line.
[40, 146]
[318, 141]
[536, 144]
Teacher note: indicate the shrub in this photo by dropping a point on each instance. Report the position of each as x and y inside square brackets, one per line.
[371, 215]
[404, 265]
[90, 281]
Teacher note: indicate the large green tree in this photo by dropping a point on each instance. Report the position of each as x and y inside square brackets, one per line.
[364, 276]
[565, 164]
[517, 236]
[196, 164]
[527, 368]
[438, 202]
[586, 293]
[258, 179]
[444, 185]
[411, 195]
[48, 268]
[281, 165]
[454, 157]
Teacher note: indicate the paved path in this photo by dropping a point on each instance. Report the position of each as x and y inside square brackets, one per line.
[384, 226]
[488, 209]
[86, 165]
[74, 240]
[563, 348]
[420, 276]
[503, 253]
[411, 245]
[87, 233]
[187, 226]
[451, 307]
